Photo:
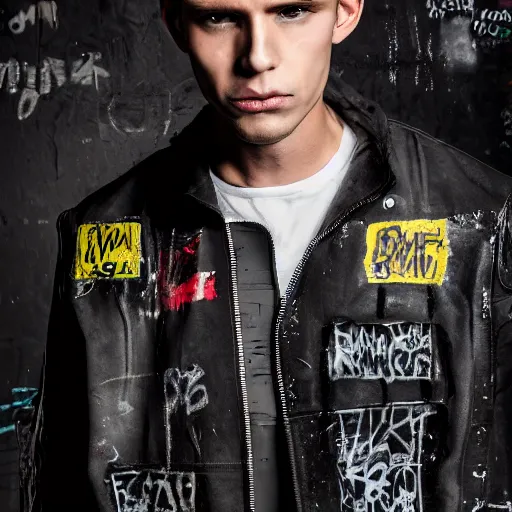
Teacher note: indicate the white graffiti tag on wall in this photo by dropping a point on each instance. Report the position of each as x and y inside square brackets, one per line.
[484, 22]
[492, 23]
[438, 8]
[37, 81]
[45, 11]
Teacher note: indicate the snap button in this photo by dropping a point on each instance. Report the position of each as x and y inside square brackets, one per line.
[389, 202]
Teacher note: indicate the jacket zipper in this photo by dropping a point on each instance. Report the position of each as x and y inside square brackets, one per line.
[241, 367]
[284, 300]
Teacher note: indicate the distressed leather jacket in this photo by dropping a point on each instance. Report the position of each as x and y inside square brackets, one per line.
[392, 353]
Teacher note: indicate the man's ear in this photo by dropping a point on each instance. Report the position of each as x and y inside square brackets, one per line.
[348, 15]
[173, 16]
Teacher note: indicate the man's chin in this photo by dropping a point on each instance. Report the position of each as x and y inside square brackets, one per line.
[261, 133]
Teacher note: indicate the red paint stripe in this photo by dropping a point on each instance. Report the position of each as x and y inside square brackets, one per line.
[185, 292]
[209, 288]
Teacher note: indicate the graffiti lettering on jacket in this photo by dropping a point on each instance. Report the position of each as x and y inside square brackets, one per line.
[399, 351]
[154, 491]
[413, 252]
[180, 283]
[183, 393]
[379, 458]
[108, 251]
[182, 389]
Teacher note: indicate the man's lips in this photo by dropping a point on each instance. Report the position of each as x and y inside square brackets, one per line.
[247, 93]
[261, 103]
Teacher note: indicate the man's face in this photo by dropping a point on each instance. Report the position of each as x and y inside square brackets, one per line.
[245, 50]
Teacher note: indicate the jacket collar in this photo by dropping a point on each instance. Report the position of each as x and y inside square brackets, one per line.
[369, 171]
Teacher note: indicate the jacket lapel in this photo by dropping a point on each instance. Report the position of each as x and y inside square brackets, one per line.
[369, 171]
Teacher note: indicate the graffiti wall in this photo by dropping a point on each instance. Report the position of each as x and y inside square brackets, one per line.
[88, 89]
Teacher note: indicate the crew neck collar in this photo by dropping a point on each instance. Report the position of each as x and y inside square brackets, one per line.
[311, 184]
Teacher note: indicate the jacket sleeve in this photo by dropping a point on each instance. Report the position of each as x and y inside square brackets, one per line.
[501, 439]
[54, 452]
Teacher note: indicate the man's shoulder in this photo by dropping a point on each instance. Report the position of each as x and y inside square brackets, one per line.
[156, 179]
[441, 169]
[126, 195]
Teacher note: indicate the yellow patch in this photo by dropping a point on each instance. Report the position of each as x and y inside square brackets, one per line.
[414, 251]
[108, 251]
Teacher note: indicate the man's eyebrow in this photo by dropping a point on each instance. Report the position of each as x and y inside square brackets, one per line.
[201, 5]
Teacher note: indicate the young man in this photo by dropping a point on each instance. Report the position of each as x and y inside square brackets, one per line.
[299, 305]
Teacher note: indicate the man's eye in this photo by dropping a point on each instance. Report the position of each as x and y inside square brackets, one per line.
[217, 19]
[293, 12]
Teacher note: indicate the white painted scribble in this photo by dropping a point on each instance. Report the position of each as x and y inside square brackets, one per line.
[44, 10]
[486, 303]
[393, 48]
[181, 388]
[483, 505]
[116, 456]
[127, 377]
[11, 70]
[124, 407]
[154, 491]
[169, 115]
[489, 16]
[484, 28]
[83, 71]
[398, 351]
[379, 458]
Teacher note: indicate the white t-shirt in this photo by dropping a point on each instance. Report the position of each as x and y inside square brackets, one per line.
[292, 213]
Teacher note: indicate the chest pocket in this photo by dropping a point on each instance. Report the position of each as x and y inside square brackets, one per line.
[380, 363]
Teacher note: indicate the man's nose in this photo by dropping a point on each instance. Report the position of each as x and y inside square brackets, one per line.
[259, 52]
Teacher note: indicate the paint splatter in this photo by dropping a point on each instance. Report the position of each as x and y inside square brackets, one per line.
[179, 281]
[22, 399]
[200, 286]
[393, 48]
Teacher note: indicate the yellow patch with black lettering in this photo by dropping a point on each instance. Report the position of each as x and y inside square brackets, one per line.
[413, 251]
[108, 251]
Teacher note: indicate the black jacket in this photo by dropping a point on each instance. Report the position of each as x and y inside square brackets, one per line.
[393, 348]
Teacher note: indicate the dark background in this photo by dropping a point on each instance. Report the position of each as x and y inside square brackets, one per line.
[89, 88]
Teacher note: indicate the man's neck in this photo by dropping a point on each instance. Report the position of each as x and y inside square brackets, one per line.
[300, 155]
